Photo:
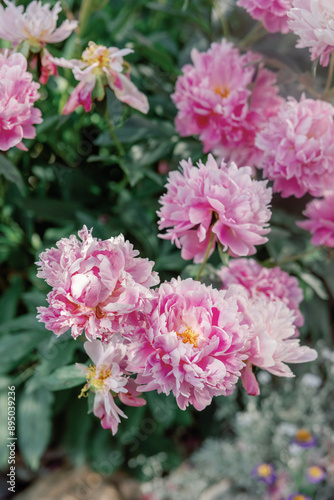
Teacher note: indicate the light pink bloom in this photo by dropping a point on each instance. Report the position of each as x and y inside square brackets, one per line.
[272, 13]
[313, 22]
[225, 98]
[107, 378]
[37, 25]
[209, 199]
[273, 342]
[102, 66]
[273, 283]
[298, 148]
[18, 94]
[191, 345]
[95, 285]
[320, 220]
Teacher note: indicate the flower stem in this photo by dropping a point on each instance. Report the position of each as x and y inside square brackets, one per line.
[113, 135]
[330, 74]
[222, 18]
[255, 34]
[206, 257]
[291, 258]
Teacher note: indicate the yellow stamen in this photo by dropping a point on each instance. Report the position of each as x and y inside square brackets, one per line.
[92, 55]
[222, 91]
[94, 382]
[315, 471]
[189, 336]
[264, 470]
[303, 435]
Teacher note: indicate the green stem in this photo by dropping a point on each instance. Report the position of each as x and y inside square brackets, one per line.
[222, 18]
[291, 258]
[255, 34]
[206, 257]
[330, 74]
[113, 135]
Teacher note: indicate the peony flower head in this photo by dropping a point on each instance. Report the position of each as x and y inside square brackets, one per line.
[320, 220]
[95, 285]
[225, 98]
[298, 148]
[313, 22]
[315, 474]
[223, 202]
[18, 94]
[36, 26]
[272, 13]
[265, 473]
[107, 379]
[273, 283]
[191, 345]
[99, 67]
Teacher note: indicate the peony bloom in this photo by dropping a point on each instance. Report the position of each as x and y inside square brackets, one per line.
[107, 379]
[223, 202]
[225, 98]
[313, 22]
[261, 281]
[95, 285]
[298, 148]
[272, 342]
[36, 26]
[265, 473]
[272, 13]
[191, 345]
[17, 97]
[320, 220]
[99, 67]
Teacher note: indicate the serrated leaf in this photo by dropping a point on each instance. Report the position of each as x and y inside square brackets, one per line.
[64, 378]
[11, 173]
[34, 424]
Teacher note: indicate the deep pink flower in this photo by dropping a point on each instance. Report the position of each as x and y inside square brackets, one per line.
[298, 147]
[320, 220]
[313, 22]
[272, 13]
[191, 345]
[18, 94]
[107, 378]
[225, 98]
[95, 284]
[273, 283]
[208, 199]
[99, 67]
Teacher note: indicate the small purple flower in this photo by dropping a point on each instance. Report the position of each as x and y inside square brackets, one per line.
[265, 473]
[298, 496]
[315, 474]
[304, 438]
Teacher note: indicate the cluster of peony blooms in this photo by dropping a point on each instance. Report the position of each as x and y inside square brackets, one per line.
[181, 337]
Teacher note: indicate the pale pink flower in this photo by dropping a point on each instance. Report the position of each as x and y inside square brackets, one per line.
[298, 148]
[313, 22]
[191, 345]
[107, 379]
[273, 283]
[36, 26]
[273, 342]
[320, 220]
[18, 94]
[225, 97]
[95, 285]
[208, 199]
[272, 13]
[102, 66]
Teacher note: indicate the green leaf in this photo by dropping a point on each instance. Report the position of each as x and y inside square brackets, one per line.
[9, 300]
[34, 424]
[22, 323]
[64, 378]
[315, 283]
[11, 173]
[15, 346]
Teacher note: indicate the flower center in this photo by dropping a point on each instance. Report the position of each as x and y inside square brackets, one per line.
[96, 54]
[221, 90]
[299, 497]
[303, 436]
[94, 382]
[189, 337]
[264, 470]
[315, 471]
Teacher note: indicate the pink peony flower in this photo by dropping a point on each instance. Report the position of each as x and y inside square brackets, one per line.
[95, 285]
[223, 200]
[18, 94]
[36, 26]
[272, 13]
[313, 22]
[225, 98]
[98, 67]
[320, 220]
[191, 345]
[272, 343]
[298, 147]
[107, 378]
[273, 283]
